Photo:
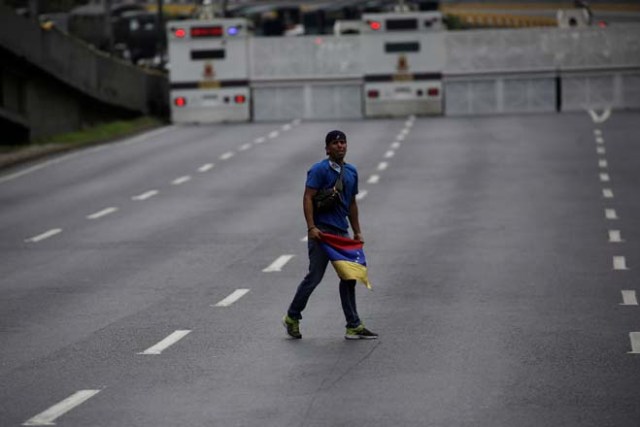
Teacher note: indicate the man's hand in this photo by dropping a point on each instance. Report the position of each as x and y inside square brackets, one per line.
[314, 233]
[358, 237]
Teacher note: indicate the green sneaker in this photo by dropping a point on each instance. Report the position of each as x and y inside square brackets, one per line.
[292, 326]
[360, 333]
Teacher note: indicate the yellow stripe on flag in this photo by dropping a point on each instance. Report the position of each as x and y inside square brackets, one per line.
[348, 270]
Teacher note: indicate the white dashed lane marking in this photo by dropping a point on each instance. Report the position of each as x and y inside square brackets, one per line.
[601, 150]
[102, 213]
[610, 214]
[395, 145]
[260, 140]
[602, 163]
[245, 147]
[44, 235]
[373, 179]
[389, 154]
[629, 298]
[167, 342]
[599, 140]
[205, 168]
[227, 155]
[361, 195]
[181, 180]
[48, 417]
[607, 193]
[278, 263]
[614, 236]
[146, 195]
[274, 134]
[382, 166]
[604, 177]
[235, 296]
[635, 342]
[619, 263]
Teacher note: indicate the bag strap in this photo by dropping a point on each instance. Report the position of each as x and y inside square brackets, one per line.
[339, 186]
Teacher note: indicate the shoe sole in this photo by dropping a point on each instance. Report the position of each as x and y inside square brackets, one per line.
[358, 337]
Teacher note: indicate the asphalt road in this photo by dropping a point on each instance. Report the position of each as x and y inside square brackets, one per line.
[502, 295]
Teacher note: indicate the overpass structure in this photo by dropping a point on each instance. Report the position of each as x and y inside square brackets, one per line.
[53, 83]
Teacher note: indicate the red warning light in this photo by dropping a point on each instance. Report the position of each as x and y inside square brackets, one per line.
[375, 25]
[180, 33]
[180, 101]
[373, 93]
[240, 99]
[433, 91]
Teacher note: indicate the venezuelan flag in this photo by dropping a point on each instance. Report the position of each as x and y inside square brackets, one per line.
[347, 257]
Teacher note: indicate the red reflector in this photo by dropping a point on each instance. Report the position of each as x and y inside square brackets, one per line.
[373, 93]
[180, 101]
[375, 25]
[240, 99]
[433, 91]
[602, 24]
[207, 32]
[180, 33]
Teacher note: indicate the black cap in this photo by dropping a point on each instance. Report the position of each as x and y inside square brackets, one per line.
[335, 135]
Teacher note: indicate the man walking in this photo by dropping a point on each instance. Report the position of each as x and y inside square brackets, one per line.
[329, 173]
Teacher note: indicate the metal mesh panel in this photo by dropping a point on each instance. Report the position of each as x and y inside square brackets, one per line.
[278, 103]
[305, 57]
[631, 90]
[587, 91]
[529, 95]
[538, 49]
[308, 101]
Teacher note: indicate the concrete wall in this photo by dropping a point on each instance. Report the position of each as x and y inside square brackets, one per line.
[54, 83]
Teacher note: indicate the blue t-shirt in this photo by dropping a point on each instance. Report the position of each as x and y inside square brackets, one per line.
[322, 175]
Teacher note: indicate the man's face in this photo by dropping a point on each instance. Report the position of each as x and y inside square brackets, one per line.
[337, 149]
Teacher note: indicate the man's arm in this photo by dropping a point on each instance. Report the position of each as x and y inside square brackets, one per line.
[355, 221]
[307, 205]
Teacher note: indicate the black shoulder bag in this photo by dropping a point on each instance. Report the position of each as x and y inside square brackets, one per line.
[328, 199]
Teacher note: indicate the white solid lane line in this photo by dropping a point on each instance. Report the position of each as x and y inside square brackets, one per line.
[629, 298]
[604, 177]
[361, 195]
[44, 235]
[103, 212]
[610, 214]
[227, 155]
[382, 166]
[278, 263]
[245, 147]
[235, 296]
[373, 179]
[145, 195]
[205, 168]
[619, 263]
[181, 180]
[614, 236]
[607, 193]
[389, 154]
[635, 342]
[603, 163]
[48, 417]
[167, 342]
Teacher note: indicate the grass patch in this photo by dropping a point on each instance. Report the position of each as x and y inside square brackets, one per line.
[101, 133]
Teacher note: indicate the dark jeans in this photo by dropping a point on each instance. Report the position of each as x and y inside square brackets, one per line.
[318, 260]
